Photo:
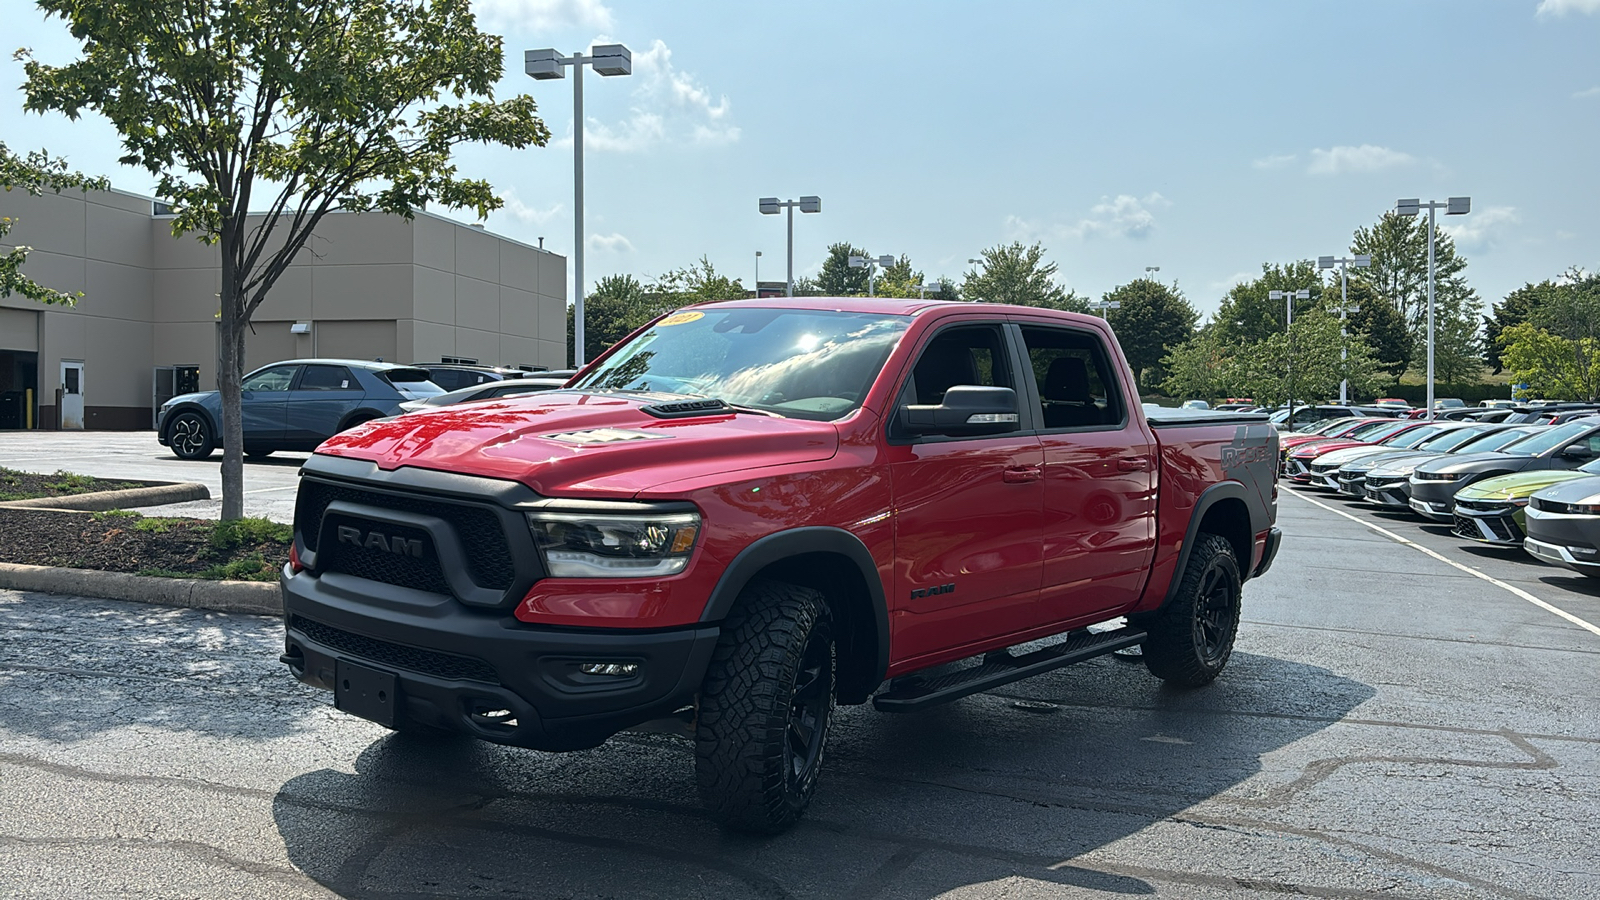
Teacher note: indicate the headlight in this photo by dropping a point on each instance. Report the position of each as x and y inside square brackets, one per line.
[595, 545]
[1438, 476]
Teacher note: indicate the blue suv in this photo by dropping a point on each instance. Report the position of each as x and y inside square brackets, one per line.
[293, 405]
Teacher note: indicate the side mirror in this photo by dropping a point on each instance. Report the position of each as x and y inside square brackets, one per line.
[967, 409]
[1577, 451]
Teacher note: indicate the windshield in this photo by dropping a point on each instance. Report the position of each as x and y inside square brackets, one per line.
[1415, 436]
[1450, 439]
[1376, 431]
[810, 364]
[1547, 439]
[1332, 425]
[1497, 440]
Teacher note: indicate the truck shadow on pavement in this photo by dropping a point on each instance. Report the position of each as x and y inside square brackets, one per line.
[981, 791]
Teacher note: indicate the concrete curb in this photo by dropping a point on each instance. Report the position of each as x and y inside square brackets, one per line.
[254, 597]
[100, 501]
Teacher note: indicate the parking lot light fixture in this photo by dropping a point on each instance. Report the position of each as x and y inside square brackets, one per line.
[771, 206]
[547, 65]
[1455, 206]
[1360, 261]
[924, 286]
[1150, 272]
[1289, 297]
[1100, 306]
[872, 265]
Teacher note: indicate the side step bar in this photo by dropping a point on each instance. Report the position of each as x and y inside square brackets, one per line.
[912, 693]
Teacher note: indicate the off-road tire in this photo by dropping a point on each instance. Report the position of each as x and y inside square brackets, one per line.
[190, 437]
[775, 660]
[1191, 639]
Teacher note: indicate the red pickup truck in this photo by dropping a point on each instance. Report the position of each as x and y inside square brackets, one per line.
[747, 512]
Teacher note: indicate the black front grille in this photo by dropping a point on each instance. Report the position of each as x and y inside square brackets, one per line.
[388, 561]
[1504, 528]
[399, 656]
[1467, 528]
[488, 554]
[1481, 505]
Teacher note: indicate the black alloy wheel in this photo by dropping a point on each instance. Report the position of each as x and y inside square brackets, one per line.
[810, 704]
[1190, 640]
[190, 437]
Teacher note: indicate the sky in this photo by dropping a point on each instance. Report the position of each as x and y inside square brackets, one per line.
[1205, 139]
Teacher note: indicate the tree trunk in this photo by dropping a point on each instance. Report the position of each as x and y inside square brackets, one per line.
[229, 376]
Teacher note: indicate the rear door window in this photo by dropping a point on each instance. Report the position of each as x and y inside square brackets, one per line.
[1076, 385]
[327, 378]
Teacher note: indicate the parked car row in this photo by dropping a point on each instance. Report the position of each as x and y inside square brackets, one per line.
[299, 403]
[1534, 485]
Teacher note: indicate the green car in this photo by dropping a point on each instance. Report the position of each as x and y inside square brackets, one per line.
[1491, 511]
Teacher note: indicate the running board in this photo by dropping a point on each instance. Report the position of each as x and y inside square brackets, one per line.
[911, 693]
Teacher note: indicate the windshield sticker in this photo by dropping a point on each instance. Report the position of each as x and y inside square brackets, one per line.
[682, 318]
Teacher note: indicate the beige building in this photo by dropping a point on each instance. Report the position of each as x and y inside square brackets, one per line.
[366, 287]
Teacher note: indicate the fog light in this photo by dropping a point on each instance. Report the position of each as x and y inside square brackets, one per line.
[618, 669]
[1585, 552]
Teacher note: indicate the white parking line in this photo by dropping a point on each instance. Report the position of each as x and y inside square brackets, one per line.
[1519, 592]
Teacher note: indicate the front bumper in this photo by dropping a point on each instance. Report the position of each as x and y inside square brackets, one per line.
[1435, 499]
[1488, 525]
[1564, 539]
[481, 672]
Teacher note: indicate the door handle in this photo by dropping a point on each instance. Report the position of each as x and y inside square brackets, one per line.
[1022, 474]
[1133, 464]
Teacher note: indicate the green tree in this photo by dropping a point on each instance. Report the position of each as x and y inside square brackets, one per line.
[1399, 273]
[1249, 315]
[1307, 367]
[1513, 310]
[837, 278]
[1380, 326]
[615, 308]
[1012, 273]
[1151, 320]
[1553, 367]
[297, 108]
[697, 283]
[34, 174]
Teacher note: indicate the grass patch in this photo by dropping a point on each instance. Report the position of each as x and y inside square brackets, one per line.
[254, 567]
[241, 532]
[15, 485]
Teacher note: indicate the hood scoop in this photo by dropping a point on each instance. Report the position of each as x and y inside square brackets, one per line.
[686, 409]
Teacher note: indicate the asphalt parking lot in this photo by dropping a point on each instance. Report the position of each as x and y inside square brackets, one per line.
[269, 484]
[1391, 725]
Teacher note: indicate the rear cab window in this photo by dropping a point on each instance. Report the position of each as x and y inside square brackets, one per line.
[1076, 385]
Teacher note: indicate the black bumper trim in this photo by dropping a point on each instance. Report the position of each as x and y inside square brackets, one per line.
[1274, 541]
[553, 704]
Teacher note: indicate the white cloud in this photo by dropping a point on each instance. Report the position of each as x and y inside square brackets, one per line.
[524, 213]
[1121, 216]
[613, 243]
[669, 106]
[1365, 158]
[531, 16]
[1585, 95]
[1272, 162]
[1562, 7]
[1482, 229]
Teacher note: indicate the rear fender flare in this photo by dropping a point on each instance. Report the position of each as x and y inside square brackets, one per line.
[1225, 491]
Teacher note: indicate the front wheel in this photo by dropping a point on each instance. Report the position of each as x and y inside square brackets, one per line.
[765, 707]
[190, 437]
[1191, 639]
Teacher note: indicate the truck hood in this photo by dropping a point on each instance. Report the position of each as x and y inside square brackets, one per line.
[562, 443]
[1518, 486]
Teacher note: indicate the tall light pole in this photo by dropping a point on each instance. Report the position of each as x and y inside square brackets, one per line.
[770, 206]
[1455, 206]
[925, 285]
[1150, 272]
[872, 266]
[545, 65]
[1360, 261]
[758, 274]
[1289, 297]
[1100, 306]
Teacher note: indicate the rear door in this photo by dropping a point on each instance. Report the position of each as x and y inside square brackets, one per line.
[321, 399]
[1100, 460]
[967, 509]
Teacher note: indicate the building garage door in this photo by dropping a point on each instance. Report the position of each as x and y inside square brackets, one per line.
[358, 339]
[19, 368]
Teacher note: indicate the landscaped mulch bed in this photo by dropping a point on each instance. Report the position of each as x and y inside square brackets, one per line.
[243, 550]
[16, 485]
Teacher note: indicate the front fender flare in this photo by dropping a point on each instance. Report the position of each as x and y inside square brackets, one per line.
[776, 547]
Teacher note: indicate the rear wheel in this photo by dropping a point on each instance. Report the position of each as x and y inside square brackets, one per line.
[1191, 639]
[765, 707]
[190, 437]
[255, 453]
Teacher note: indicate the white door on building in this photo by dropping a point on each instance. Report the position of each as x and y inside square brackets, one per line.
[71, 411]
